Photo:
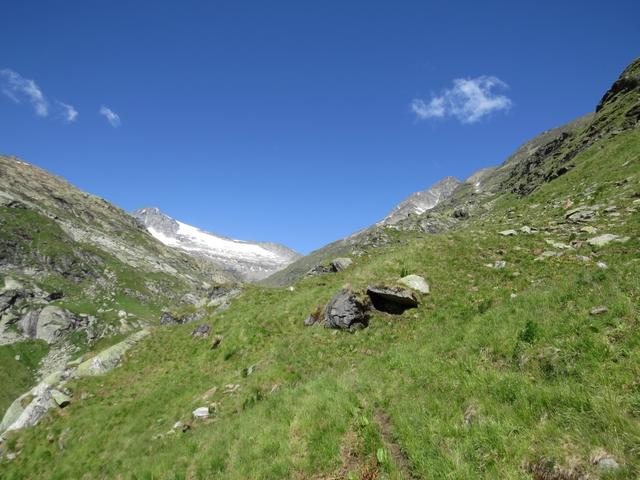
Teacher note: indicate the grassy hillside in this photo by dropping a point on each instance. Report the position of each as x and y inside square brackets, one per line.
[500, 372]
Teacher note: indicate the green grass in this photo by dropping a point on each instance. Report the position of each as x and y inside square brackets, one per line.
[545, 378]
[17, 376]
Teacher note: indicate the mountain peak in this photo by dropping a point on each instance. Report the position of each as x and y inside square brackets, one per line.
[420, 202]
[249, 260]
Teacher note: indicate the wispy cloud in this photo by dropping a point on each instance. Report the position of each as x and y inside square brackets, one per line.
[469, 100]
[112, 117]
[23, 90]
[68, 112]
[19, 89]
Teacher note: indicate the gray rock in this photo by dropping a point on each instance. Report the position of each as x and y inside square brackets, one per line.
[580, 214]
[108, 359]
[52, 322]
[345, 310]
[12, 284]
[605, 239]
[508, 233]
[416, 282]
[393, 300]
[599, 310]
[61, 399]
[201, 412]
[167, 318]
[340, 264]
[201, 331]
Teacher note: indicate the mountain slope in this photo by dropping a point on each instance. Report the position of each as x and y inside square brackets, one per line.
[77, 273]
[522, 362]
[249, 260]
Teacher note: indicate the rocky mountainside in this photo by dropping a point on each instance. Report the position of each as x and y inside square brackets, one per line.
[538, 161]
[420, 202]
[495, 335]
[249, 260]
[76, 272]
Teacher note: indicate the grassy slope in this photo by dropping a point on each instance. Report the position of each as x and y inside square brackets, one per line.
[545, 378]
[17, 374]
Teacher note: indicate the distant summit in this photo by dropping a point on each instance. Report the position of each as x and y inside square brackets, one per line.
[419, 202]
[249, 260]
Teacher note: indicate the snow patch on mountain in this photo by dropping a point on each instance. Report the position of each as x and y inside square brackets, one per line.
[250, 260]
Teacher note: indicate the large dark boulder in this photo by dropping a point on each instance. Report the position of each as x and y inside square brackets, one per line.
[393, 300]
[346, 311]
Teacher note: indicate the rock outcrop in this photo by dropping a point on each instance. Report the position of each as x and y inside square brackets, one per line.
[346, 311]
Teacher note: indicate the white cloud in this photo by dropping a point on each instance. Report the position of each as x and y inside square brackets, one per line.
[18, 88]
[112, 117]
[69, 113]
[469, 100]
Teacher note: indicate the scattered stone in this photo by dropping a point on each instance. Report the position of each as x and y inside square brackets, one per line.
[589, 229]
[166, 318]
[560, 245]
[340, 264]
[180, 426]
[201, 331]
[415, 282]
[547, 254]
[201, 413]
[508, 233]
[602, 265]
[604, 460]
[580, 214]
[499, 264]
[61, 399]
[599, 310]
[605, 239]
[526, 229]
[583, 258]
[393, 300]
[345, 310]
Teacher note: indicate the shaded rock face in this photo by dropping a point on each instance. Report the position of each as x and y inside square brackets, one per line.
[346, 312]
[394, 300]
[628, 81]
[52, 322]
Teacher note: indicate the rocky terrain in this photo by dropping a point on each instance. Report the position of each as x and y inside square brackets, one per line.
[492, 335]
[248, 260]
[420, 202]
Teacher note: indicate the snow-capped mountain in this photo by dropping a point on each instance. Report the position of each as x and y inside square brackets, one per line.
[420, 202]
[250, 260]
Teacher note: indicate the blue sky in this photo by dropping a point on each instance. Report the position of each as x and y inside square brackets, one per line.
[296, 122]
